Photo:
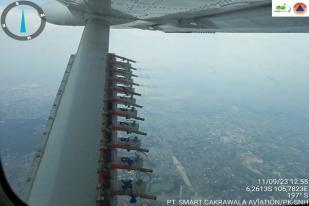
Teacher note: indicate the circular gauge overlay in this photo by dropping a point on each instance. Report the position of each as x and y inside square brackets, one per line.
[23, 20]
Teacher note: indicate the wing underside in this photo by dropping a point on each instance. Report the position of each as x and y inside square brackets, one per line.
[257, 19]
[189, 16]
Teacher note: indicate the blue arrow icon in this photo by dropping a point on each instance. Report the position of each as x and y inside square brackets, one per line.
[23, 23]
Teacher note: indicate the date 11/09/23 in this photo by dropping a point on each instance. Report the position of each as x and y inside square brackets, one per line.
[284, 181]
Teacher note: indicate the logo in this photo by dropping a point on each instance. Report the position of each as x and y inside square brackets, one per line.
[300, 8]
[283, 8]
[23, 33]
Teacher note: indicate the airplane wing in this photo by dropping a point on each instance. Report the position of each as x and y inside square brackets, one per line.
[184, 16]
[256, 18]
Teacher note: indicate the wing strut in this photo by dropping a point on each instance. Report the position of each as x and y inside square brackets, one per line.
[65, 171]
[77, 162]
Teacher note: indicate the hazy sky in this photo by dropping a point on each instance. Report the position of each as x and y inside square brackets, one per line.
[248, 63]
